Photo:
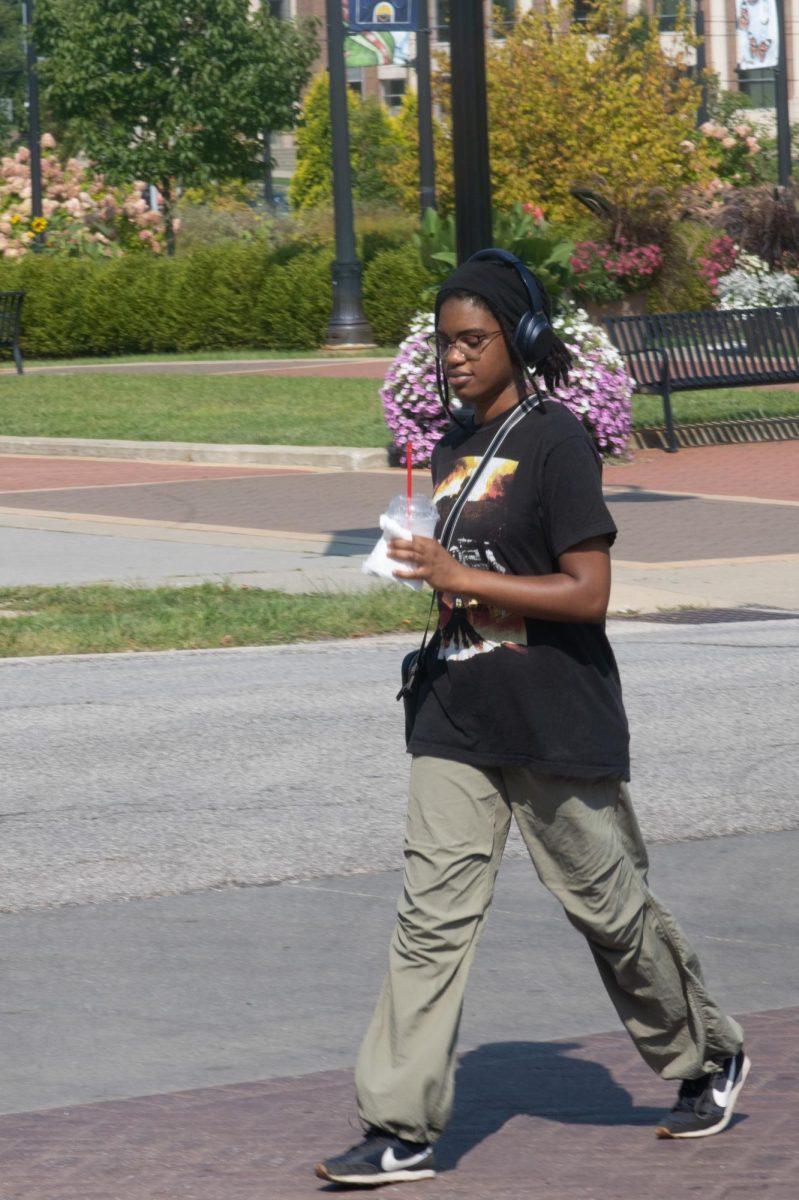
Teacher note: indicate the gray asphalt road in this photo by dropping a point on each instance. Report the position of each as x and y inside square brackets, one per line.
[152, 775]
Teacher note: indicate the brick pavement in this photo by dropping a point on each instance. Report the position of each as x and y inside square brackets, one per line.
[675, 524]
[557, 1120]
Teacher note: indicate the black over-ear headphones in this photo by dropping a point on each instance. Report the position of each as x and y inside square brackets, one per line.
[534, 337]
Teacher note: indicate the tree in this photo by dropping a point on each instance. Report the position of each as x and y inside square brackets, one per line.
[375, 149]
[12, 72]
[174, 92]
[571, 101]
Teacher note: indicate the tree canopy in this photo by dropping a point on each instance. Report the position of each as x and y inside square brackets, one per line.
[172, 91]
[572, 101]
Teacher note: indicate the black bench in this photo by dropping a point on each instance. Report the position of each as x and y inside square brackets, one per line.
[10, 316]
[683, 352]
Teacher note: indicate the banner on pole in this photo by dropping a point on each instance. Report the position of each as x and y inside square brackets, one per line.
[757, 34]
[386, 15]
[373, 49]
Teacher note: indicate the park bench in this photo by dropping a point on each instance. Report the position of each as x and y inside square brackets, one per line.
[688, 351]
[10, 314]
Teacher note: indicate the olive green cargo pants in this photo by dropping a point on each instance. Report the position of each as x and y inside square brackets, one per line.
[586, 846]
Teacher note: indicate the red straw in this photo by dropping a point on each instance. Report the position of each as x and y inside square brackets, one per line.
[409, 461]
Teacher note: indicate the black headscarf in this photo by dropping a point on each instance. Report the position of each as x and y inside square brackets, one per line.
[500, 288]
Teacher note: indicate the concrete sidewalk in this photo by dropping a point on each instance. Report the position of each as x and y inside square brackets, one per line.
[713, 527]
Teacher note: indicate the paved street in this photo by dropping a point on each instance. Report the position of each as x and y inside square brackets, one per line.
[716, 526]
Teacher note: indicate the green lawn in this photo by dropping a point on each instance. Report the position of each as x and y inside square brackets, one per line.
[200, 356]
[265, 409]
[103, 619]
[245, 409]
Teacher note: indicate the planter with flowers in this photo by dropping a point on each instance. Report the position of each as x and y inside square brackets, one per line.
[599, 390]
[611, 278]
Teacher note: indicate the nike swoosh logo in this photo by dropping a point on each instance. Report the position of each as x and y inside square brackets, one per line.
[389, 1163]
[722, 1098]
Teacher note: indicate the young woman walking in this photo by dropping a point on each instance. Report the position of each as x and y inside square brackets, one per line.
[520, 715]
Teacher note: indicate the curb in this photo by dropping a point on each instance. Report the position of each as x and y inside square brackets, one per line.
[336, 458]
[356, 458]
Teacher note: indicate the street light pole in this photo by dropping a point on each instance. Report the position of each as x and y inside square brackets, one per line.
[347, 326]
[470, 128]
[781, 86]
[701, 62]
[34, 132]
[427, 163]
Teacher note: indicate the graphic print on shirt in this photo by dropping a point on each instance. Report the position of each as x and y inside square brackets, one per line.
[469, 627]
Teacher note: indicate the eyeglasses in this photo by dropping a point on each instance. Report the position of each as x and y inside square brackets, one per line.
[470, 345]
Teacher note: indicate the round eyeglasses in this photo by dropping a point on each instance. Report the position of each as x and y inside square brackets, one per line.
[470, 345]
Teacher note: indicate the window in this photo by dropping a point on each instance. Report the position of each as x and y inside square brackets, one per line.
[667, 12]
[505, 12]
[440, 20]
[393, 91]
[581, 10]
[760, 86]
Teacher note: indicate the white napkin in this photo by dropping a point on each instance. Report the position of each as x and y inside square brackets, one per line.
[378, 562]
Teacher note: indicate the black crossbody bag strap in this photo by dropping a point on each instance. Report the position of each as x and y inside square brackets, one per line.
[505, 428]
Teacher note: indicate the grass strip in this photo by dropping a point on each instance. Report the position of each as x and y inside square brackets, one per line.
[200, 356]
[276, 410]
[724, 404]
[105, 619]
[231, 409]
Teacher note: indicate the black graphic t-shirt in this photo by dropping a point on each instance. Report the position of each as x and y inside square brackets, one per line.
[501, 689]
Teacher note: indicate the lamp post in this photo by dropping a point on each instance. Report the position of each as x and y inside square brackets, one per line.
[781, 88]
[427, 163]
[470, 128]
[347, 326]
[701, 62]
[34, 133]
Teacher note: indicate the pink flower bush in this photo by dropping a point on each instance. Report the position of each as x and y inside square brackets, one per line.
[81, 213]
[721, 257]
[736, 153]
[599, 391]
[606, 270]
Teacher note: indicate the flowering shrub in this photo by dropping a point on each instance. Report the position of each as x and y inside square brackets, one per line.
[752, 284]
[599, 390]
[606, 270]
[736, 153]
[720, 259]
[81, 213]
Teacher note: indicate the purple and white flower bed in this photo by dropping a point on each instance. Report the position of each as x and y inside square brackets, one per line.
[599, 391]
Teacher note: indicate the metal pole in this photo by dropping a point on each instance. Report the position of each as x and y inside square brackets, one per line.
[427, 162]
[701, 62]
[781, 90]
[268, 187]
[470, 128]
[347, 326]
[34, 133]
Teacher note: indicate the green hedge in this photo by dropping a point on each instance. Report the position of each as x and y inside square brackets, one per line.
[394, 287]
[219, 297]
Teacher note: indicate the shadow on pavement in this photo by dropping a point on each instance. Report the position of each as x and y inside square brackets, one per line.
[502, 1080]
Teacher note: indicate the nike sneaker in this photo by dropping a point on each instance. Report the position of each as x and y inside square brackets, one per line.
[705, 1105]
[379, 1159]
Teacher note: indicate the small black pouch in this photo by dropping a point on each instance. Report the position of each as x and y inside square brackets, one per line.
[409, 692]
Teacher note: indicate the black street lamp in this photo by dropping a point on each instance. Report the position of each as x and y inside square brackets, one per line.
[783, 119]
[470, 128]
[427, 163]
[34, 132]
[348, 325]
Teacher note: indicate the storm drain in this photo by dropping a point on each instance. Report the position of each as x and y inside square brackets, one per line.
[709, 616]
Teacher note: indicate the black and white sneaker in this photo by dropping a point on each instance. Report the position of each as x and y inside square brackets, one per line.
[379, 1159]
[706, 1105]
